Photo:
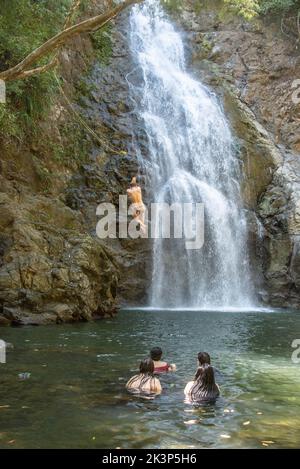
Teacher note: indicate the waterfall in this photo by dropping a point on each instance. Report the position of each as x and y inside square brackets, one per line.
[191, 158]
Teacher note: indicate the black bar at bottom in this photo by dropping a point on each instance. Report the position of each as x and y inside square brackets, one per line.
[138, 457]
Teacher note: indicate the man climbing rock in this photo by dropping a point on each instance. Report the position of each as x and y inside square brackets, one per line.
[137, 208]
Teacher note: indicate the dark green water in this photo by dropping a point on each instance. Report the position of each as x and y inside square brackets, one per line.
[75, 396]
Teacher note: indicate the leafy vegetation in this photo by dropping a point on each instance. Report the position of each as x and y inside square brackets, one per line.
[102, 44]
[24, 25]
[78, 147]
[172, 5]
[247, 8]
[28, 101]
[278, 6]
[251, 8]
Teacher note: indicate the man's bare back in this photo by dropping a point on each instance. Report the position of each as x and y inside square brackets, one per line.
[134, 193]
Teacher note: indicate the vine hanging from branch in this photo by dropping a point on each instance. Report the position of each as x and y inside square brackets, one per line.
[23, 69]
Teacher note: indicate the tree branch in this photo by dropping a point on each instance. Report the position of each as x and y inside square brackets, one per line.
[35, 71]
[92, 24]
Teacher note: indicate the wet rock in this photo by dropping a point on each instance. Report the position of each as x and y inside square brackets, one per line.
[52, 270]
[4, 321]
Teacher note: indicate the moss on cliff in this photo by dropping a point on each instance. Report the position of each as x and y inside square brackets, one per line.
[102, 44]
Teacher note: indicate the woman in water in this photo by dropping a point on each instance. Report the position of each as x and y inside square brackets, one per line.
[159, 365]
[204, 387]
[204, 359]
[145, 382]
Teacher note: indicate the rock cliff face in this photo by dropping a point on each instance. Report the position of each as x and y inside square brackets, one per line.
[53, 268]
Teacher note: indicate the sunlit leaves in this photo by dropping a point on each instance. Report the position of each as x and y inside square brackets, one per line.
[251, 8]
[247, 8]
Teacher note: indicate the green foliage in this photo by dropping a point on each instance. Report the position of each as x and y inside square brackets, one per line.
[24, 25]
[43, 174]
[102, 44]
[172, 5]
[247, 8]
[27, 102]
[72, 150]
[8, 122]
[69, 153]
[206, 44]
[83, 91]
[251, 8]
[278, 6]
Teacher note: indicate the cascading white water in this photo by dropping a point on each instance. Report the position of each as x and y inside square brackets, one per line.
[191, 159]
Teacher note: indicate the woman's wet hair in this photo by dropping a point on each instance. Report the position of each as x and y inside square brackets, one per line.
[204, 388]
[156, 353]
[147, 366]
[204, 358]
[147, 370]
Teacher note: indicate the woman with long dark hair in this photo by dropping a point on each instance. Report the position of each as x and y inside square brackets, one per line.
[204, 387]
[204, 359]
[145, 381]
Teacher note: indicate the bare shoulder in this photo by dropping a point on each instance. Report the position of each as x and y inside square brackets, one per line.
[188, 387]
